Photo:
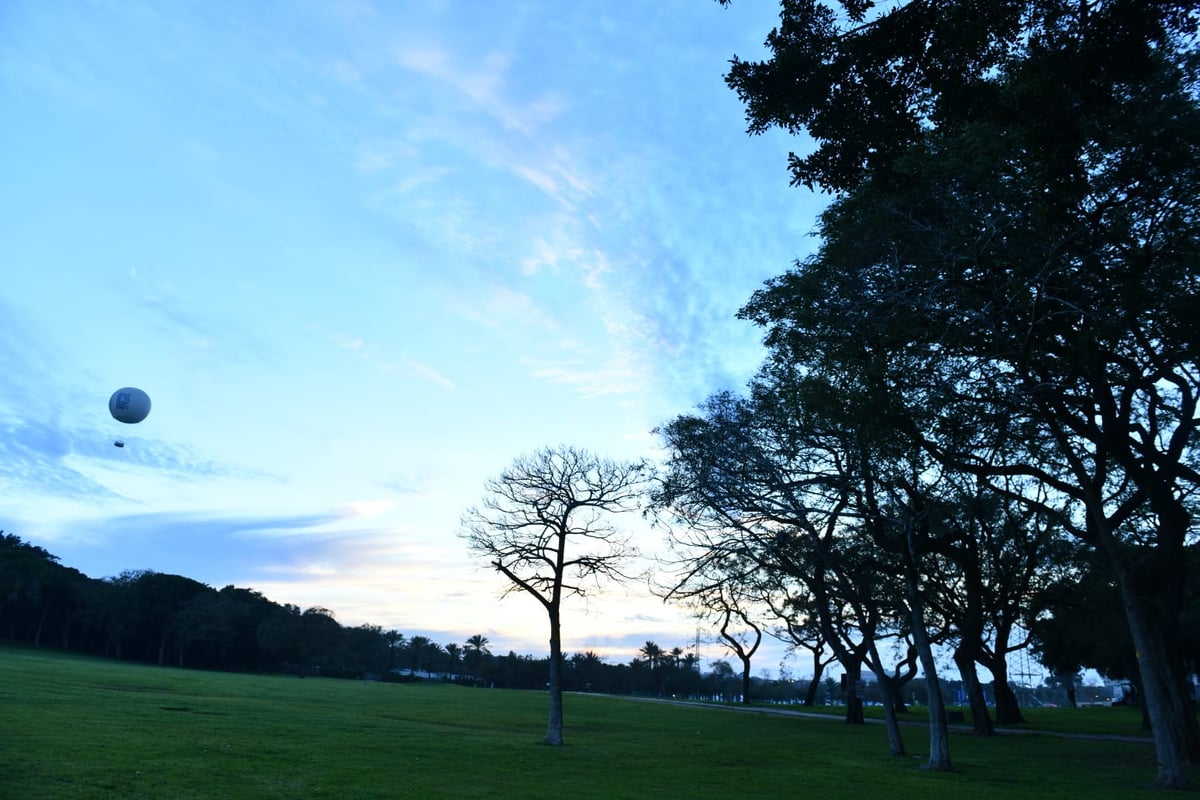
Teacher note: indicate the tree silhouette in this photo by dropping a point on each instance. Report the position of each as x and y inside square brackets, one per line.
[541, 525]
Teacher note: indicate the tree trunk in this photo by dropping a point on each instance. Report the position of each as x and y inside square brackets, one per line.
[1168, 705]
[745, 679]
[1008, 710]
[939, 737]
[1139, 694]
[854, 708]
[1008, 707]
[814, 686]
[891, 721]
[1165, 704]
[902, 673]
[892, 694]
[969, 651]
[981, 720]
[554, 729]
[37, 636]
[66, 634]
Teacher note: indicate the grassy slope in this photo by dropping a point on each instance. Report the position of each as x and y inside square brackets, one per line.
[85, 728]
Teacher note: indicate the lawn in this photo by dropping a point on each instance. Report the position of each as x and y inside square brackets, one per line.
[88, 728]
[1093, 720]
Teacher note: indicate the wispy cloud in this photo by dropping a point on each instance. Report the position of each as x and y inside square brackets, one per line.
[481, 83]
[663, 318]
[47, 458]
[550, 250]
[504, 304]
[621, 374]
[196, 334]
[33, 461]
[556, 175]
[399, 364]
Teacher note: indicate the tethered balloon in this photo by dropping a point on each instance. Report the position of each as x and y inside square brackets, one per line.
[128, 405]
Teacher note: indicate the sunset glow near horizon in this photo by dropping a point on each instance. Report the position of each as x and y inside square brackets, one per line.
[362, 256]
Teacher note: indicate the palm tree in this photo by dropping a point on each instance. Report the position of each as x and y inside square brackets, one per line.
[476, 650]
[455, 653]
[478, 644]
[395, 643]
[591, 659]
[654, 657]
[585, 667]
[423, 653]
[653, 654]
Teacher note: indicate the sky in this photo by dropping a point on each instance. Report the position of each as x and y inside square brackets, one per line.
[362, 255]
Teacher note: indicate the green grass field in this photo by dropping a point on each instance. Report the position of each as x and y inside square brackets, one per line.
[1098, 721]
[87, 728]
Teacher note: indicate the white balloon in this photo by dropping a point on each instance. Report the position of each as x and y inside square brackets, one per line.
[129, 405]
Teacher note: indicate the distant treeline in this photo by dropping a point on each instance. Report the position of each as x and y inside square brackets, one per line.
[165, 619]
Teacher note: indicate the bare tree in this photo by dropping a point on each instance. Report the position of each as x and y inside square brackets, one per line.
[739, 631]
[542, 525]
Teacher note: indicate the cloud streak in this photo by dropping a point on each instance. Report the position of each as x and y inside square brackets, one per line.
[212, 548]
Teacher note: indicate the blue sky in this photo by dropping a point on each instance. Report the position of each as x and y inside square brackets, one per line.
[361, 256]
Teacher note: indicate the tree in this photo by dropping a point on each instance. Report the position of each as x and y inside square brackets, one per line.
[476, 651]
[1076, 622]
[542, 525]
[586, 667]
[904, 518]
[150, 607]
[1009, 270]
[24, 572]
[654, 659]
[1003, 554]
[758, 495]
[280, 636]
[248, 609]
[714, 575]
[203, 629]
[739, 631]
[395, 641]
[802, 631]
[653, 654]
[367, 651]
[454, 654]
[724, 679]
[423, 653]
[321, 637]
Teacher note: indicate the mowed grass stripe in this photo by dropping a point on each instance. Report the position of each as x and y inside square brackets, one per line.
[89, 728]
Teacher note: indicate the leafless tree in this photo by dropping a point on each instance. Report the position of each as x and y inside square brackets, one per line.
[542, 524]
